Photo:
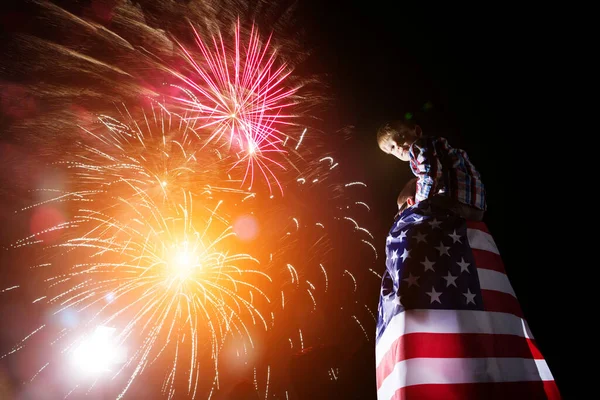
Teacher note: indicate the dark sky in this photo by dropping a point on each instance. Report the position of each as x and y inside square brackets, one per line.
[483, 74]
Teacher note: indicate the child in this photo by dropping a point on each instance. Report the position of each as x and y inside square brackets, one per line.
[449, 323]
[444, 174]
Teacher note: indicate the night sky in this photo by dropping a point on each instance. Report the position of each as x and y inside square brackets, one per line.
[476, 77]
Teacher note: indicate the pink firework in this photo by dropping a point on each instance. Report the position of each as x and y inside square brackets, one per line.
[241, 94]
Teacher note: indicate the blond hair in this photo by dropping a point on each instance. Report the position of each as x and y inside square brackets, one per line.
[396, 130]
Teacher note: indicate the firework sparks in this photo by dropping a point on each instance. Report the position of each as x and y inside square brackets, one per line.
[9, 288]
[356, 184]
[241, 94]
[168, 284]
[158, 155]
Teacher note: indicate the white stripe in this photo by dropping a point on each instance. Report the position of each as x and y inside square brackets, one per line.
[494, 280]
[449, 321]
[544, 370]
[419, 371]
[526, 329]
[481, 240]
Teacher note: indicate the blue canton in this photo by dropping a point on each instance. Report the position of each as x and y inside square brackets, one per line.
[429, 265]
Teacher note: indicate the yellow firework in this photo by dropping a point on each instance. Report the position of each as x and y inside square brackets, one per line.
[167, 282]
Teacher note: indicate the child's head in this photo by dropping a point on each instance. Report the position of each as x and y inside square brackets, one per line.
[396, 137]
[406, 198]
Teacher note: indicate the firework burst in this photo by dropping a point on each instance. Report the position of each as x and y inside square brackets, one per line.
[242, 96]
[165, 283]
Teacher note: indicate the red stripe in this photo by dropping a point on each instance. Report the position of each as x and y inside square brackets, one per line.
[501, 302]
[488, 391]
[455, 345]
[535, 352]
[477, 225]
[488, 260]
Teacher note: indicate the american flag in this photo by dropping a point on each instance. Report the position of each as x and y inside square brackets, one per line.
[450, 325]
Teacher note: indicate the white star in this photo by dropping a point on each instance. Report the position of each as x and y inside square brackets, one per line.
[464, 266]
[405, 255]
[450, 279]
[443, 249]
[470, 296]
[428, 264]
[395, 255]
[435, 223]
[397, 301]
[402, 235]
[455, 237]
[420, 237]
[412, 280]
[435, 296]
[400, 222]
[389, 239]
[418, 219]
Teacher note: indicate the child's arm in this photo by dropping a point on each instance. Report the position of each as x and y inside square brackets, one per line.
[426, 166]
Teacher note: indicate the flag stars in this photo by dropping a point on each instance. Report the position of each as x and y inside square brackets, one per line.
[399, 223]
[435, 223]
[464, 266]
[389, 240]
[418, 220]
[402, 235]
[420, 237]
[405, 255]
[455, 237]
[428, 264]
[395, 255]
[435, 296]
[450, 280]
[411, 280]
[443, 249]
[470, 297]
[397, 301]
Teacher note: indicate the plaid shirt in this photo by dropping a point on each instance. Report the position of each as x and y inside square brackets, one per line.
[441, 169]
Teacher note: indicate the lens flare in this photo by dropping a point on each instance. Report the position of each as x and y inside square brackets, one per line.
[97, 353]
